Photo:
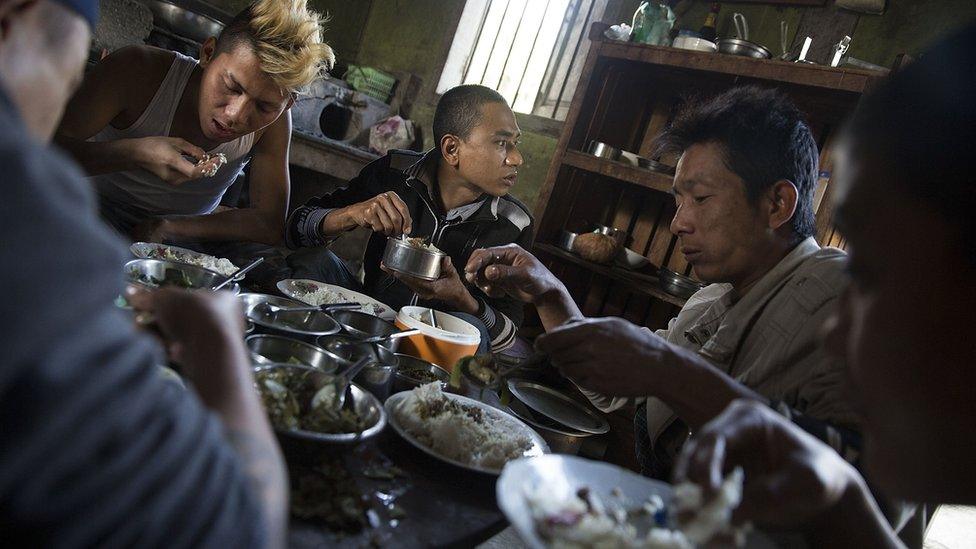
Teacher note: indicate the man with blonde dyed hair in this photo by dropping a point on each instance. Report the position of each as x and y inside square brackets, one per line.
[145, 122]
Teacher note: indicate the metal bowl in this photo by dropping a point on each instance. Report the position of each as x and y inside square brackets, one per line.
[145, 271]
[304, 325]
[184, 21]
[736, 46]
[600, 149]
[566, 239]
[274, 349]
[378, 376]
[406, 381]
[364, 403]
[362, 325]
[654, 166]
[678, 284]
[407, 258]
[561, 440]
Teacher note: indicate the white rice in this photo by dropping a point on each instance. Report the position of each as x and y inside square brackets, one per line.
[326, 296]
[461, 432]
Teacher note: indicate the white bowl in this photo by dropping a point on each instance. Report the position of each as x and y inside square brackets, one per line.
[694, 43]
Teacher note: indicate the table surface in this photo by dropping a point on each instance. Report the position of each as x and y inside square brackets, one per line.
[445, 506]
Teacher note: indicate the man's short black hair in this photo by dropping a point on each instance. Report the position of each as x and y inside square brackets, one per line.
[459, 110]
[920, 127]
[765, 139]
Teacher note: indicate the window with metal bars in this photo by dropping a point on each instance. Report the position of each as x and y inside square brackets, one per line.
[531, 51]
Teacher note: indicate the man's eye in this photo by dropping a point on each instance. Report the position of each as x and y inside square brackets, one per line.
[700, 199]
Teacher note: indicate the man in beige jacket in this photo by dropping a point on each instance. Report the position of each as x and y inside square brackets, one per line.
[744, 190]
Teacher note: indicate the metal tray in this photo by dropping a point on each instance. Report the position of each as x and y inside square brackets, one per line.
[558, 407]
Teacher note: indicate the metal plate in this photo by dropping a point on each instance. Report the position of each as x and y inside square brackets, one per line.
[558, 407]
[562, 476]
[292, 287]
[539, 446]
[142, 250]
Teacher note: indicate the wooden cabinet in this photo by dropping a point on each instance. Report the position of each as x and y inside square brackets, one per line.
[627, 95]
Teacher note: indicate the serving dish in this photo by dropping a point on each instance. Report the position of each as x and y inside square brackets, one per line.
[274, 349]
[301, 289]
[365, 405]
[154, 273]
[304, 325]
[538, 444]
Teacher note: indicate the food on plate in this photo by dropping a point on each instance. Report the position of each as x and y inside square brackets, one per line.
[293, 402]
[417, 374]
[314, 294]
[596, 247]
[212, 163]
[461, 432]
[222, 266]
[586, 520]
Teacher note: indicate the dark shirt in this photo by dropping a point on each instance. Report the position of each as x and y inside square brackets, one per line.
[493, 222]
[96, 448]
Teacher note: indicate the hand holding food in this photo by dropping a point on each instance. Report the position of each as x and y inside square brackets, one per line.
[167, 158]
[448, 288]
[384, 213]
[512, 271]
[792, 476]
[607, 355]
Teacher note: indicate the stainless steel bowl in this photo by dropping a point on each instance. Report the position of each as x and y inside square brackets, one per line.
[362, 325]
[678, 284]
[304, 325]
[378, 376]
[405, 257]
[273, 349]
[654, 166]
[566, 239]
[406, 381]
[184, 21]
[561, 439]
[155, 272]
[602, 150]
[365, 404]
[736, 46]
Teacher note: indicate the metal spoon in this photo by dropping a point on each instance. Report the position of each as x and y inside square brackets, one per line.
[239, 274]
[344, 379]
[395, 335]
[274, 309]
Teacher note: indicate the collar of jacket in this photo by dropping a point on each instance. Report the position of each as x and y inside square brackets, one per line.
[488, 211]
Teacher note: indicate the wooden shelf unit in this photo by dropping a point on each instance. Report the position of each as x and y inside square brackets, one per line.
[646, 284]
[619, 171]
[627, 95]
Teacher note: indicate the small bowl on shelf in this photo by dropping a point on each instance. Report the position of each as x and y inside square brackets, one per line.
[678, 284]
[600, 149]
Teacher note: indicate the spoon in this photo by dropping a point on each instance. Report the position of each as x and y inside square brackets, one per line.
[395, 335]
[274, 309]
[344, 378]
[238, 274]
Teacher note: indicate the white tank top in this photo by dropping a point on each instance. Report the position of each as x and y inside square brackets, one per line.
[144, 190]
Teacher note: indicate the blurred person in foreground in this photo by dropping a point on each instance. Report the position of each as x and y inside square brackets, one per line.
[96, 447]
[905, 204]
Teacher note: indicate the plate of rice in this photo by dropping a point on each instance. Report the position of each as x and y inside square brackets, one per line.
[461, 431]
[152, 250]
[568, 501]
[320, 293]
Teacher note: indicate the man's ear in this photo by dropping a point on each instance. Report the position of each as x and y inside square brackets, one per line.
[449, 149]
[207, 51]
[782, 197]
[10, 10]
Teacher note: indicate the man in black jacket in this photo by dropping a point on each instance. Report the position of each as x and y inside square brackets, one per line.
[455, 194]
